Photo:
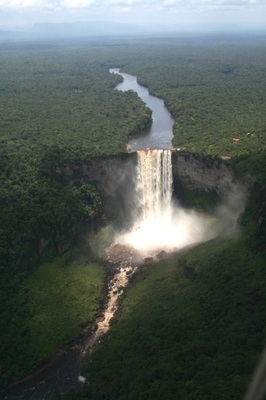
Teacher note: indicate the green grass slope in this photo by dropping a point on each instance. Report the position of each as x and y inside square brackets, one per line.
[50, 309]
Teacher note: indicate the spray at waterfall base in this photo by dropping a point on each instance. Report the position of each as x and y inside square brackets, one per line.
[160, 224]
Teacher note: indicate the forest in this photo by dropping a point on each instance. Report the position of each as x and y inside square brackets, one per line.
[58, 104]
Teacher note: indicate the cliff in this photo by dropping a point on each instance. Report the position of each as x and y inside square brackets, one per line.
[203, 173]
[114, 178]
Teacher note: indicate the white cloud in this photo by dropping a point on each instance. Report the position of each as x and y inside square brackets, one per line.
[75, 4]
[129, 3]
[19, 3]
[126, 9]
[119, 2]
[126, 2]
[46, 3]
[171, 2]
[146, 12]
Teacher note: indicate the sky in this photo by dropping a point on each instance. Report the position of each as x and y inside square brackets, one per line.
[140, 12]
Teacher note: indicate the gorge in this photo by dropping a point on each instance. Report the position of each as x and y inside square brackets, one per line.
[137, 190]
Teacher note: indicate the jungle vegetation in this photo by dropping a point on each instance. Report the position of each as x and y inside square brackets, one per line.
[191, 327]
[58, 104]
[214, 90]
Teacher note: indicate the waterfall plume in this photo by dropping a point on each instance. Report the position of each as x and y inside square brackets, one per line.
[154, 185]
[158, 223]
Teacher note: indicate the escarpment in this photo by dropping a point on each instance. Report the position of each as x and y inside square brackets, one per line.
[115, 173]
[203, 173]
[114, 178]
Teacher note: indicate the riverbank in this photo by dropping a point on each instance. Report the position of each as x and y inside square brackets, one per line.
[62, 372]
[159, 135]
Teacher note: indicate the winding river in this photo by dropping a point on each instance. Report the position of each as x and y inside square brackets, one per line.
[160, 134]
[63, 372]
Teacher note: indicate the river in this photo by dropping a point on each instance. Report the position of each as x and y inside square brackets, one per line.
[63, 373]
[160, 134]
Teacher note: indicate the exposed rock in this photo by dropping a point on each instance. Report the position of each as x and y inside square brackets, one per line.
[113, 177]
[161, 255]
[67, 238]
[111, 174]
[81, 379]
[118, 254]
[100, 319]
[201, 172]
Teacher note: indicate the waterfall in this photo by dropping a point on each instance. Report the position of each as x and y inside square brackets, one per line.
[152, 228]
[158, 224]
[154, 185]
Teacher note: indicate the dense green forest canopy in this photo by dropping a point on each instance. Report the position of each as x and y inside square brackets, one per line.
[215, 91]
[192, 327]
[58, 103]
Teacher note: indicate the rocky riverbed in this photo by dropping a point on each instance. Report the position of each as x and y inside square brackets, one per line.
[62, 373]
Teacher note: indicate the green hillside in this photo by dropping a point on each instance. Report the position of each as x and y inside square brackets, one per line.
[191, 327]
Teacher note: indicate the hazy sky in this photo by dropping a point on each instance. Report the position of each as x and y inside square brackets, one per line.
[148, 12]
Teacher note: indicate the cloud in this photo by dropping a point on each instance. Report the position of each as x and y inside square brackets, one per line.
[144, 12]
[120, 2]
[20, 4]
[76, 3]
[131, 3]
[134, 4]
[235, 3]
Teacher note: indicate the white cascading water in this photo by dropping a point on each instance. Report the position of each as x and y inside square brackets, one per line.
[158, 223]
[154, 185]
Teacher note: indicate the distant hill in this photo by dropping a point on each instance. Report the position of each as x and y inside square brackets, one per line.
[97, 28]
[71, 30]
[6, 35]
[86, 29]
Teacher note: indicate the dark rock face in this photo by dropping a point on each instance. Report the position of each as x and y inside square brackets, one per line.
[204, 173]
[121, 255]
[114, 176]
[161, 255]
[108, 172]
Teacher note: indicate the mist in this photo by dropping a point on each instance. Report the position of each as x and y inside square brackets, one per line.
[158, 222]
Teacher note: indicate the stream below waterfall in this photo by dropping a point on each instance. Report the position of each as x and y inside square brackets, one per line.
[63, 372]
